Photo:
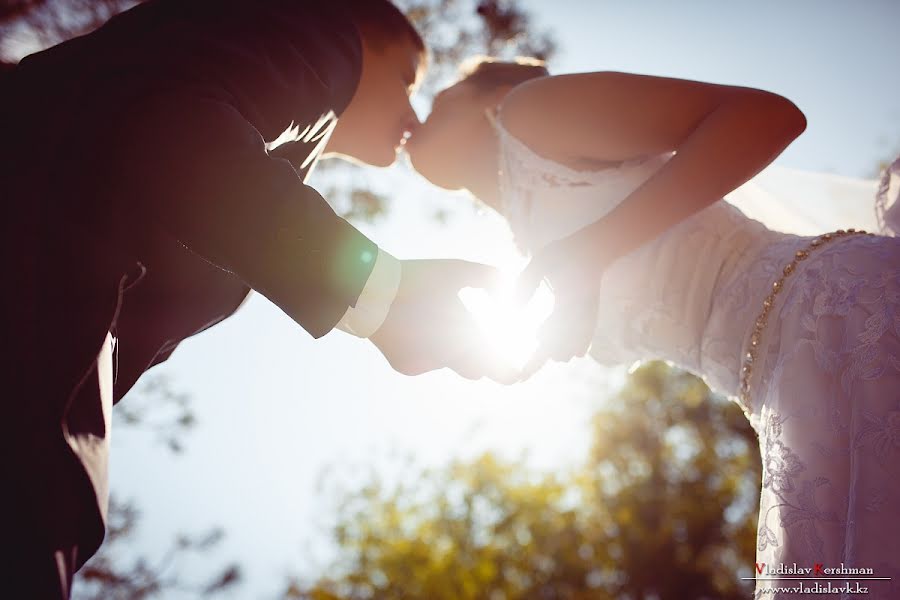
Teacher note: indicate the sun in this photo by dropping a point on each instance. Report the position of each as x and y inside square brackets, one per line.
[509, 328]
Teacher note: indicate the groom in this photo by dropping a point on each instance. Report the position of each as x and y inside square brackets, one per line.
[153, 174]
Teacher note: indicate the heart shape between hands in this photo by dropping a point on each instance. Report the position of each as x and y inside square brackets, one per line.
[509, 327]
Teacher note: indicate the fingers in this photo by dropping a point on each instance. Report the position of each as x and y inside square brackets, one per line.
[463, 273]
[471, 358]
[568, 338]
[533, 366]
[479, 368]
[529, 280]
[554, 348]
[566, 334]
[434, 330]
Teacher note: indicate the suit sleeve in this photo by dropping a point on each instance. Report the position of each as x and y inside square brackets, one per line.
[191, 163]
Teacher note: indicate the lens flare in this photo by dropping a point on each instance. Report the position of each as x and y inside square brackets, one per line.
[509, 328]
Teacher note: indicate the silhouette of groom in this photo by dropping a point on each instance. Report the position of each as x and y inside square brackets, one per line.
[144, 197]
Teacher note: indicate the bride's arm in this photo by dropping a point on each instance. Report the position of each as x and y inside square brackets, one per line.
[722, 136]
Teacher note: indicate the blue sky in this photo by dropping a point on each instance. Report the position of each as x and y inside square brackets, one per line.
[277, 407]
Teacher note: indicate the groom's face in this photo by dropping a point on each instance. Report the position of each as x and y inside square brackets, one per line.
[379, 117]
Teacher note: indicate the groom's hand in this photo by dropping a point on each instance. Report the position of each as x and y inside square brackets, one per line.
[428, 327]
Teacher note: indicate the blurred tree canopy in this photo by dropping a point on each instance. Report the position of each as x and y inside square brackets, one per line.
[664, 506]
[39, 24]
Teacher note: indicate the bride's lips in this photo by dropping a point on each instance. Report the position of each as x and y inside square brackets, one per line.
[410, 136]
[404, 143]
[410, 139]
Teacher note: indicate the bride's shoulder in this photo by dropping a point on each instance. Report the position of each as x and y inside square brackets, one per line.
[525, 95]
[549, 112]
[533, 94]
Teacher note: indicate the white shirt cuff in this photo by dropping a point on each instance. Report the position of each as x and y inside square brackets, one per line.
[375, 299]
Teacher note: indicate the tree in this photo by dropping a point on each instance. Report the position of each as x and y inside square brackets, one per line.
[26, 25]
[664, 506]
[116, 570]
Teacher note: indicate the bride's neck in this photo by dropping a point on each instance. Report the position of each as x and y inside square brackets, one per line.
[481, 177]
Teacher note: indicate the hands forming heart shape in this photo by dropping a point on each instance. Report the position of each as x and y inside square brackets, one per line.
[462, 315]
[509, 326]
[559, 319]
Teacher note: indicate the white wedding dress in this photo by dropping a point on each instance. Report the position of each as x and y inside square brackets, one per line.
[825, 386]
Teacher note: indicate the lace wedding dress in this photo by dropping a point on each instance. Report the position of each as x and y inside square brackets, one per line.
[825, 398]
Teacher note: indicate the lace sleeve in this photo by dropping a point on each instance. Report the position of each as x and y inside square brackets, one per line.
[887, 200]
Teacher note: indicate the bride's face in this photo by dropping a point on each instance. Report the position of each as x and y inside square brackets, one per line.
[443, 147]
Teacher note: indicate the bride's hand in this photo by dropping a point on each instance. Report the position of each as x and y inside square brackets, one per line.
[572, 269]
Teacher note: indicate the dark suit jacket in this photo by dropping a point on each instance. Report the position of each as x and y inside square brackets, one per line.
[140, 199]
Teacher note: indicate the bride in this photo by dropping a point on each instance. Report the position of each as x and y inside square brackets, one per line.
[615, 184]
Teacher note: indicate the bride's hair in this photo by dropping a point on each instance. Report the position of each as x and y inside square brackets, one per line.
[487, 72]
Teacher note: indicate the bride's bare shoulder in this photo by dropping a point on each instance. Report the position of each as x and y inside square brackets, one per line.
[545, 112]
[535, 94]
[567, 79]
[532, 96]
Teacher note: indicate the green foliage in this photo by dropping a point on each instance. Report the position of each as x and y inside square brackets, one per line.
[457, 29]
[663, 506]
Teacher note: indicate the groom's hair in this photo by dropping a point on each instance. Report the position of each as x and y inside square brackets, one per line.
[381, 23]
[488, 73]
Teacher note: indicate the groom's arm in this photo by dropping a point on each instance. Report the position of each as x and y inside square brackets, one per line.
[188, 161]
[184, 142]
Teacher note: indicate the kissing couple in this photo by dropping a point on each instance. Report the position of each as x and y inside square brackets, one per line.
[155, 174]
